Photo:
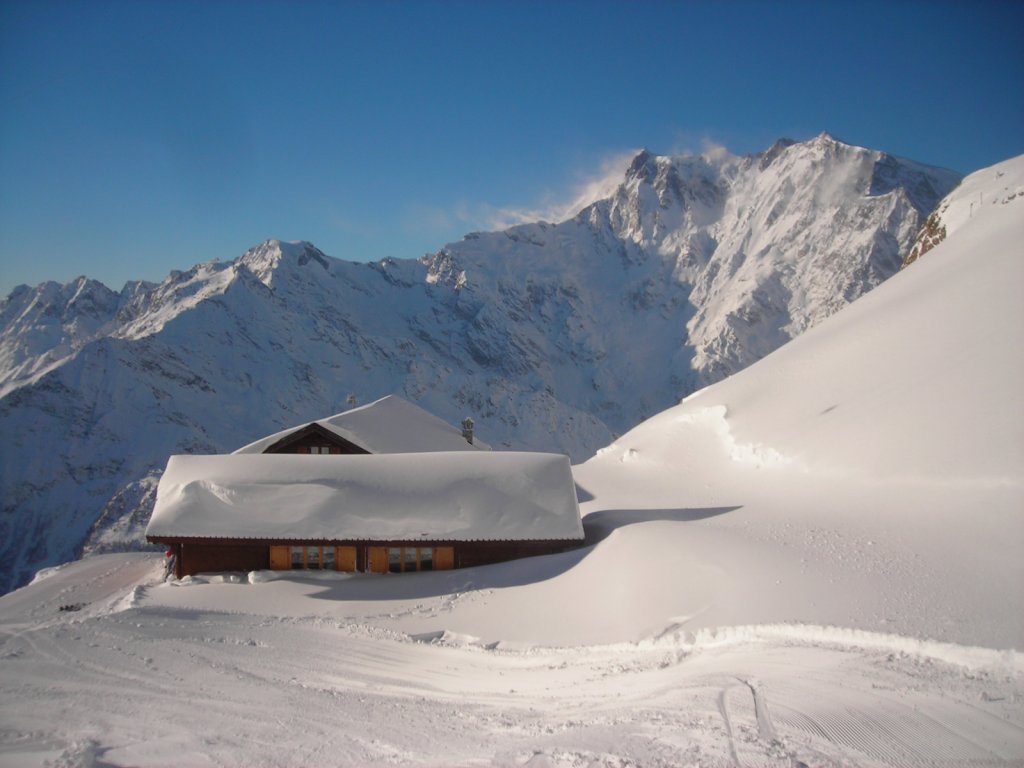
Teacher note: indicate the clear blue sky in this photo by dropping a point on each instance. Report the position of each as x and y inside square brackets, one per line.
[141, 137]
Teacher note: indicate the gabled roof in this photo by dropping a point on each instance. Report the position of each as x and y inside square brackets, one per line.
[464, 496]
[388, 425]
[314, 430]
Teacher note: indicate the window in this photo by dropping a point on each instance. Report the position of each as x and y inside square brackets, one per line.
[395, 559]
[312, 558]
[409, 559]
[377, 559]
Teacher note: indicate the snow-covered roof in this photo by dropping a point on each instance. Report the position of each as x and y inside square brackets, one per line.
[426, 496]
[388, 425]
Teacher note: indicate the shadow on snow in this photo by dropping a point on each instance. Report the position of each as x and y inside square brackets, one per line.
[514, 573]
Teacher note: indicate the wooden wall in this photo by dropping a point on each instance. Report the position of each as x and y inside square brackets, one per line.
[212, 556]
[313, 435]
[199, 557]
[486, 552]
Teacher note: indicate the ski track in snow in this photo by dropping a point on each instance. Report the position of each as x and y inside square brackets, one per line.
[125, 681]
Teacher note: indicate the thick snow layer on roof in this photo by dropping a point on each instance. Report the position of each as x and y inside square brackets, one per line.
[430, 496]
[388, 425]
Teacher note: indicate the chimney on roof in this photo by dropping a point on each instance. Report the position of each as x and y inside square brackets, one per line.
[467, 429]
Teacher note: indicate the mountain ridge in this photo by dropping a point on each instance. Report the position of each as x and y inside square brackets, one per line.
[555, 336]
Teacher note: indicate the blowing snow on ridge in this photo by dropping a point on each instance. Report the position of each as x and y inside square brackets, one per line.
[552, 336]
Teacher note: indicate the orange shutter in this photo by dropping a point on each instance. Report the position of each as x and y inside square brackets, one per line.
[345, 559]
[280, 558]
[377, 559]
[444, 558]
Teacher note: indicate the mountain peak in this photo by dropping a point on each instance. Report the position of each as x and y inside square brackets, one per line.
[268, 257]
[829, 143]
[776, 149]
[642, 166]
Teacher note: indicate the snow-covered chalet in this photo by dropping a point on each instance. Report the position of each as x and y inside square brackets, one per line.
[386, 487]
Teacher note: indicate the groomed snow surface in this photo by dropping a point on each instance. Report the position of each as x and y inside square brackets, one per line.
[306, 672]
[816, 562]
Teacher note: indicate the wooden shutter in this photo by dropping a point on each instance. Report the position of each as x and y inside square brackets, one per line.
[345, 559]
[280, 558]
[377, 559]
[444, 558]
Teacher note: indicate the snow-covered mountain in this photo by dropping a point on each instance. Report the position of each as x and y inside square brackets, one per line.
[551, 336]
[873, 469]
[816, 562]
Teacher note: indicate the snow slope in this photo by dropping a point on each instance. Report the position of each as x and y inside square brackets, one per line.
[551, 336]
[805, 564]
[883, 450]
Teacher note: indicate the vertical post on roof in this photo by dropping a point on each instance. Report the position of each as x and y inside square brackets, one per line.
[467, 429]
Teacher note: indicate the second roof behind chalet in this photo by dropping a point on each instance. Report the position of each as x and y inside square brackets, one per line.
[388, 425]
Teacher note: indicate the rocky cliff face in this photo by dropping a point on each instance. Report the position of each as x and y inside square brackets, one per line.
[994, 186]
[932, 233]
[552, 336]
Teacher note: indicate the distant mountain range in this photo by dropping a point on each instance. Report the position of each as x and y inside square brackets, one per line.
[552, 336]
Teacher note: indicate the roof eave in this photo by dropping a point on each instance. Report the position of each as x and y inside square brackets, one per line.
[174, 538]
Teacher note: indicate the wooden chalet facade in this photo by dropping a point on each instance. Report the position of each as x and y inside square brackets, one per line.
[317, 497]
[315, 439]
[213, 555]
